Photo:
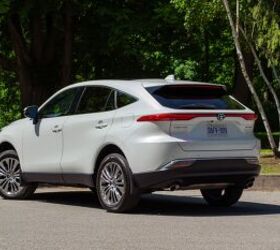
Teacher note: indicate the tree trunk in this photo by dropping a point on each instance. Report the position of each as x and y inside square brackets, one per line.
[240, 89]
[25, 87]
[39, 70]
[67, 50]
[36, 86]
[206, 56]
[248, 80]
[275, 74]
[267, 82]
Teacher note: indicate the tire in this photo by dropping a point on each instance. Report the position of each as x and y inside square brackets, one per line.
[11, 186]
[222, 197]
[113, 185]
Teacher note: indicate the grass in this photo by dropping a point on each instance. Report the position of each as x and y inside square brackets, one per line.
[270, 170]
[266, 152]
[270, 165]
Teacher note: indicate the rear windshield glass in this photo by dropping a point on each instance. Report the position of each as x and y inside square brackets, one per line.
[193, 97]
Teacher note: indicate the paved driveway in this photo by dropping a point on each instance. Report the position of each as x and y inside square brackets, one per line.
[72, 219]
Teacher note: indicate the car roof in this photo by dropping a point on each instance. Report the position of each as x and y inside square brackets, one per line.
[138, 82]
[132, 87]
[135, 87]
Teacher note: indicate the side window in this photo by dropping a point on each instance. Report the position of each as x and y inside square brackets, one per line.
[111, 101]
[60, 105]
[124, 99]
[95, 99]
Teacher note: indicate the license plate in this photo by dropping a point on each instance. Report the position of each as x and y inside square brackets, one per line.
[217, 130]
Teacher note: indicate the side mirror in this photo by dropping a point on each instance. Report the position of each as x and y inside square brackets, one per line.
[31, 112]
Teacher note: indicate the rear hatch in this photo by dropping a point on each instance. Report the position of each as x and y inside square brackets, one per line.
[204, 117]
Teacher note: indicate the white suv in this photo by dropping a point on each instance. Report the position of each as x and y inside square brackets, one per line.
[123, 138]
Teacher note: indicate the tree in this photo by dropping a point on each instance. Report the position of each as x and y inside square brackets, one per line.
[111, 40]
[46, 44]
[247, 78]
[262, 34]
[9, 99]
[265, 78]
[41, 37]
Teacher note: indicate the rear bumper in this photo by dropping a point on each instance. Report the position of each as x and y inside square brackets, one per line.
[202, 173]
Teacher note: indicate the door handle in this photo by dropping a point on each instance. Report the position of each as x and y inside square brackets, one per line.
[56, 129]
[101, 124]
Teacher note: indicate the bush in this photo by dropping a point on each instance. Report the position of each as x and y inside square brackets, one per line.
[264, 140]
[10, 108]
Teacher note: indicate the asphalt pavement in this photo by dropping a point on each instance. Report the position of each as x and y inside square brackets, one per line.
[69, 218]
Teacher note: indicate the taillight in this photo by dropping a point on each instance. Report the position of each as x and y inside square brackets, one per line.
[245, 116]
[166, 117]
[185, 117]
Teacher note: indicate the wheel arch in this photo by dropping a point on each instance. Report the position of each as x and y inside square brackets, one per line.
[6, 146]
[108, 149]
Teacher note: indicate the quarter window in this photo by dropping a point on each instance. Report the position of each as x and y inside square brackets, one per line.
[95, 99]
[60, 105]
[124, 99]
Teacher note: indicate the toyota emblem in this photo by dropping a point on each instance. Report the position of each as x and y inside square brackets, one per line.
[221, 117]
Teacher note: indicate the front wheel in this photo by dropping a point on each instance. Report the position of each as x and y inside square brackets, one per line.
[11, 186]
[222, 197]
[113, 185]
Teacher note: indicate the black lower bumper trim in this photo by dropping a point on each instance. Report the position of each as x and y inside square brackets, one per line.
[61, 179]
[235, 171]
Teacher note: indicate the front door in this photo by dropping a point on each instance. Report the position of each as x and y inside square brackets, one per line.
[43, 142]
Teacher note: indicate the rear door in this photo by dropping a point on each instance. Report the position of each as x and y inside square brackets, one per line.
[85, 131]
[206, 118]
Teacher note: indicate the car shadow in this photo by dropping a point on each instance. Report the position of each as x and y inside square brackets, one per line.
[162, 204]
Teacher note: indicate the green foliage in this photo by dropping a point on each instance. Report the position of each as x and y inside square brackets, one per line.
[200, 13]
[148, 38]
[185, 69]
[264, 141]
[266, 27]
[4, 6]
[9, 100]
[207, 23]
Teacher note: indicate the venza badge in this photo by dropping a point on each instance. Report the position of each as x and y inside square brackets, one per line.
[221, 116]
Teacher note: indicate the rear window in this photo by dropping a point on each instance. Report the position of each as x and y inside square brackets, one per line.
[193, 97]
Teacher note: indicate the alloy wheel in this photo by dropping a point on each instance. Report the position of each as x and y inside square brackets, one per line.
[10, 176]
[112, 184]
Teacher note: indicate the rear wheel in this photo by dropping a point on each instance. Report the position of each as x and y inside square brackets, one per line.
[113, 185]
[11, 186]
[222, 197]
